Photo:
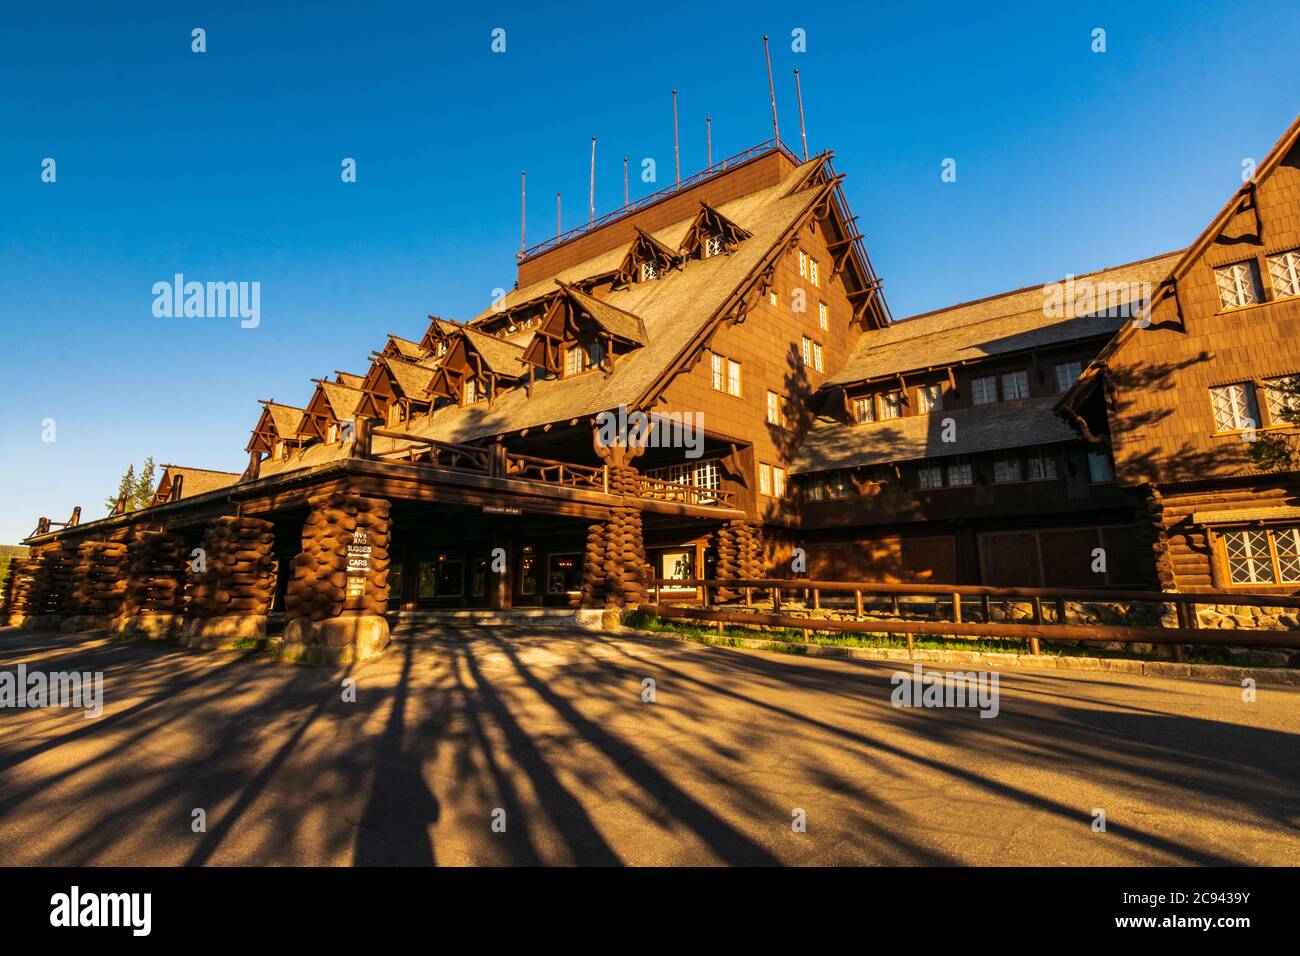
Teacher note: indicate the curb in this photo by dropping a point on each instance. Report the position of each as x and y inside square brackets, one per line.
[1271, 676]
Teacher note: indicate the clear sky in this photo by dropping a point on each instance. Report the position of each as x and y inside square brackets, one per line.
[225, 166]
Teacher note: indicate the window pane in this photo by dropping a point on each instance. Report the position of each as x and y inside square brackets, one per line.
[864, 409]
[1006, 469]
[1066, 373]
[930, 477]
[1234, 407]
[717, 372]
[1248, 557]
[733, 377]
[1286, 542]
[805, 345]
[1284, 270]
[817, 356]
[764, 479]
[1238, 284]
[1015, 385]
[1100, 467]
[823, 316]
[891, 404]
[960, 474]
[984, 391]
[929, 398]
[1279, 401]
[778, 482]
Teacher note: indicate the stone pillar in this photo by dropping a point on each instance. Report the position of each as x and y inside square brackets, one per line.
[614, 563]
[154, 573]
[18, 591]
[338, 595]
[51, 587]
[230, 593]
[98, 586]
[740, 554]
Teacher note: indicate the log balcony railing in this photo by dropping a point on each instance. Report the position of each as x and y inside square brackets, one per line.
[734, 601]
[495, 462]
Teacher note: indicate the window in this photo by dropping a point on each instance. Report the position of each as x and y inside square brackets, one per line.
[713, 246]
[864, 409]
[818, 362]
[1040, 465]
[719, 372]
[803, 264]
[1263, 556]
[471, 392]
[1234, 407]
[984, 391]
[829, 487]
[891, 405]
[1284, 270]
[814, 273]
[765, 479]
[562, 573]
[929, 398]
[583, 357]
[1015, 385]
[1100, 467]
[929, 476]
[733, 378]
[774, 413]
[1238, 284]
[281, 450]
[649, 270]
[1066, 373]
[705, 474]
[1279, 401]
[1006, 468]
[805, 347]
[772, 297]
[778, 482]
[823, 317]
[960, 473]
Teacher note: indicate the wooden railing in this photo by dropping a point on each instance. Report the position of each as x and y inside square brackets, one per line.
[556, 472]
[659, 489]
[456, 457]
[742, 593]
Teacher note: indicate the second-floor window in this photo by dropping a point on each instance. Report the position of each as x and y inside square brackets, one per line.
[1007, 468]
[1279, 401]
[984, 391]
[775, 416]
[1015, 385]
[818, 362]
[960, 473]
[771, 480]
[891, 405]
[1066, 374]
[1100, 467]
[929, 476]
[864, 409]
[726, 375]
[713, 246]
[471, 391]
[1284, 270]
[929, 398]
[823, 317]
[583, 356]
[649, 270]
[1238, 284]
[1040, 465]
[1234, 407]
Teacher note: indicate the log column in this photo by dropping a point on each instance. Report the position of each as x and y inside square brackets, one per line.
[98, 586]
[614, 563]
[740, 554]
[51, 587]
[154, 571]
[338, 596]
[18, 591]
[230, 597]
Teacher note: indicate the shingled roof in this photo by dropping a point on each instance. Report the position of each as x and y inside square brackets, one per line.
[1019, 424]
[195, 481]
[997, 325]
[614, 320]
[502, 356]
[342, 399]
[286, 418]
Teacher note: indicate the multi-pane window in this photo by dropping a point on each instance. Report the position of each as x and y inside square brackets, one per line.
[726, 375]
[713, 246]
[471, 391]
[1284, 271]
[1066, 373]
[1040, 465]
[1280, 402]
[814, 272]
[1263, 556]
[1007, 468]
[772, 297]
[929, 476]
[891, 405]
[702, 474]
[649, 270]
[823, 316]
[733, 378]
[1238, 284]
[929, 398]
[960, 473]
[803, 264]
[771, 480]
[1100, 467]
[984, 391]
[579, 358]
[818, 358]
[864, 409]
[1234, 407]
[774, 416]
[828, 487]
[805, 347]
[1015, 385]
[778, 482]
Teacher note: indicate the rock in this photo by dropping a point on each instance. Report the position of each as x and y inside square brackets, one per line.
[336, 640]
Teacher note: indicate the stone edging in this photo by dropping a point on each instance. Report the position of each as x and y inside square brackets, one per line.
[1276, 676]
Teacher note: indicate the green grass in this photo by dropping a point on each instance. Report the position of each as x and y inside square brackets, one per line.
[733, 636]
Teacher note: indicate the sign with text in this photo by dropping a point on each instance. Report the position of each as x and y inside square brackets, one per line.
[502, 510]
[358, 555]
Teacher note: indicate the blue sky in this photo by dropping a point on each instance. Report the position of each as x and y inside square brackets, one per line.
[225, 165]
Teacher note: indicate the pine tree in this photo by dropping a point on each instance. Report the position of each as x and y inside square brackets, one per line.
[142, 493]
[124, 487]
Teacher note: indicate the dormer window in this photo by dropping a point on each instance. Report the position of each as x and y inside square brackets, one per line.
[713, 246]
[472, 393]
[332, 433]
[281, 450]
[583, 357]
[649, 270]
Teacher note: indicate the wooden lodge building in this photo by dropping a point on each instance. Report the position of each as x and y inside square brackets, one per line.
[998, 441]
